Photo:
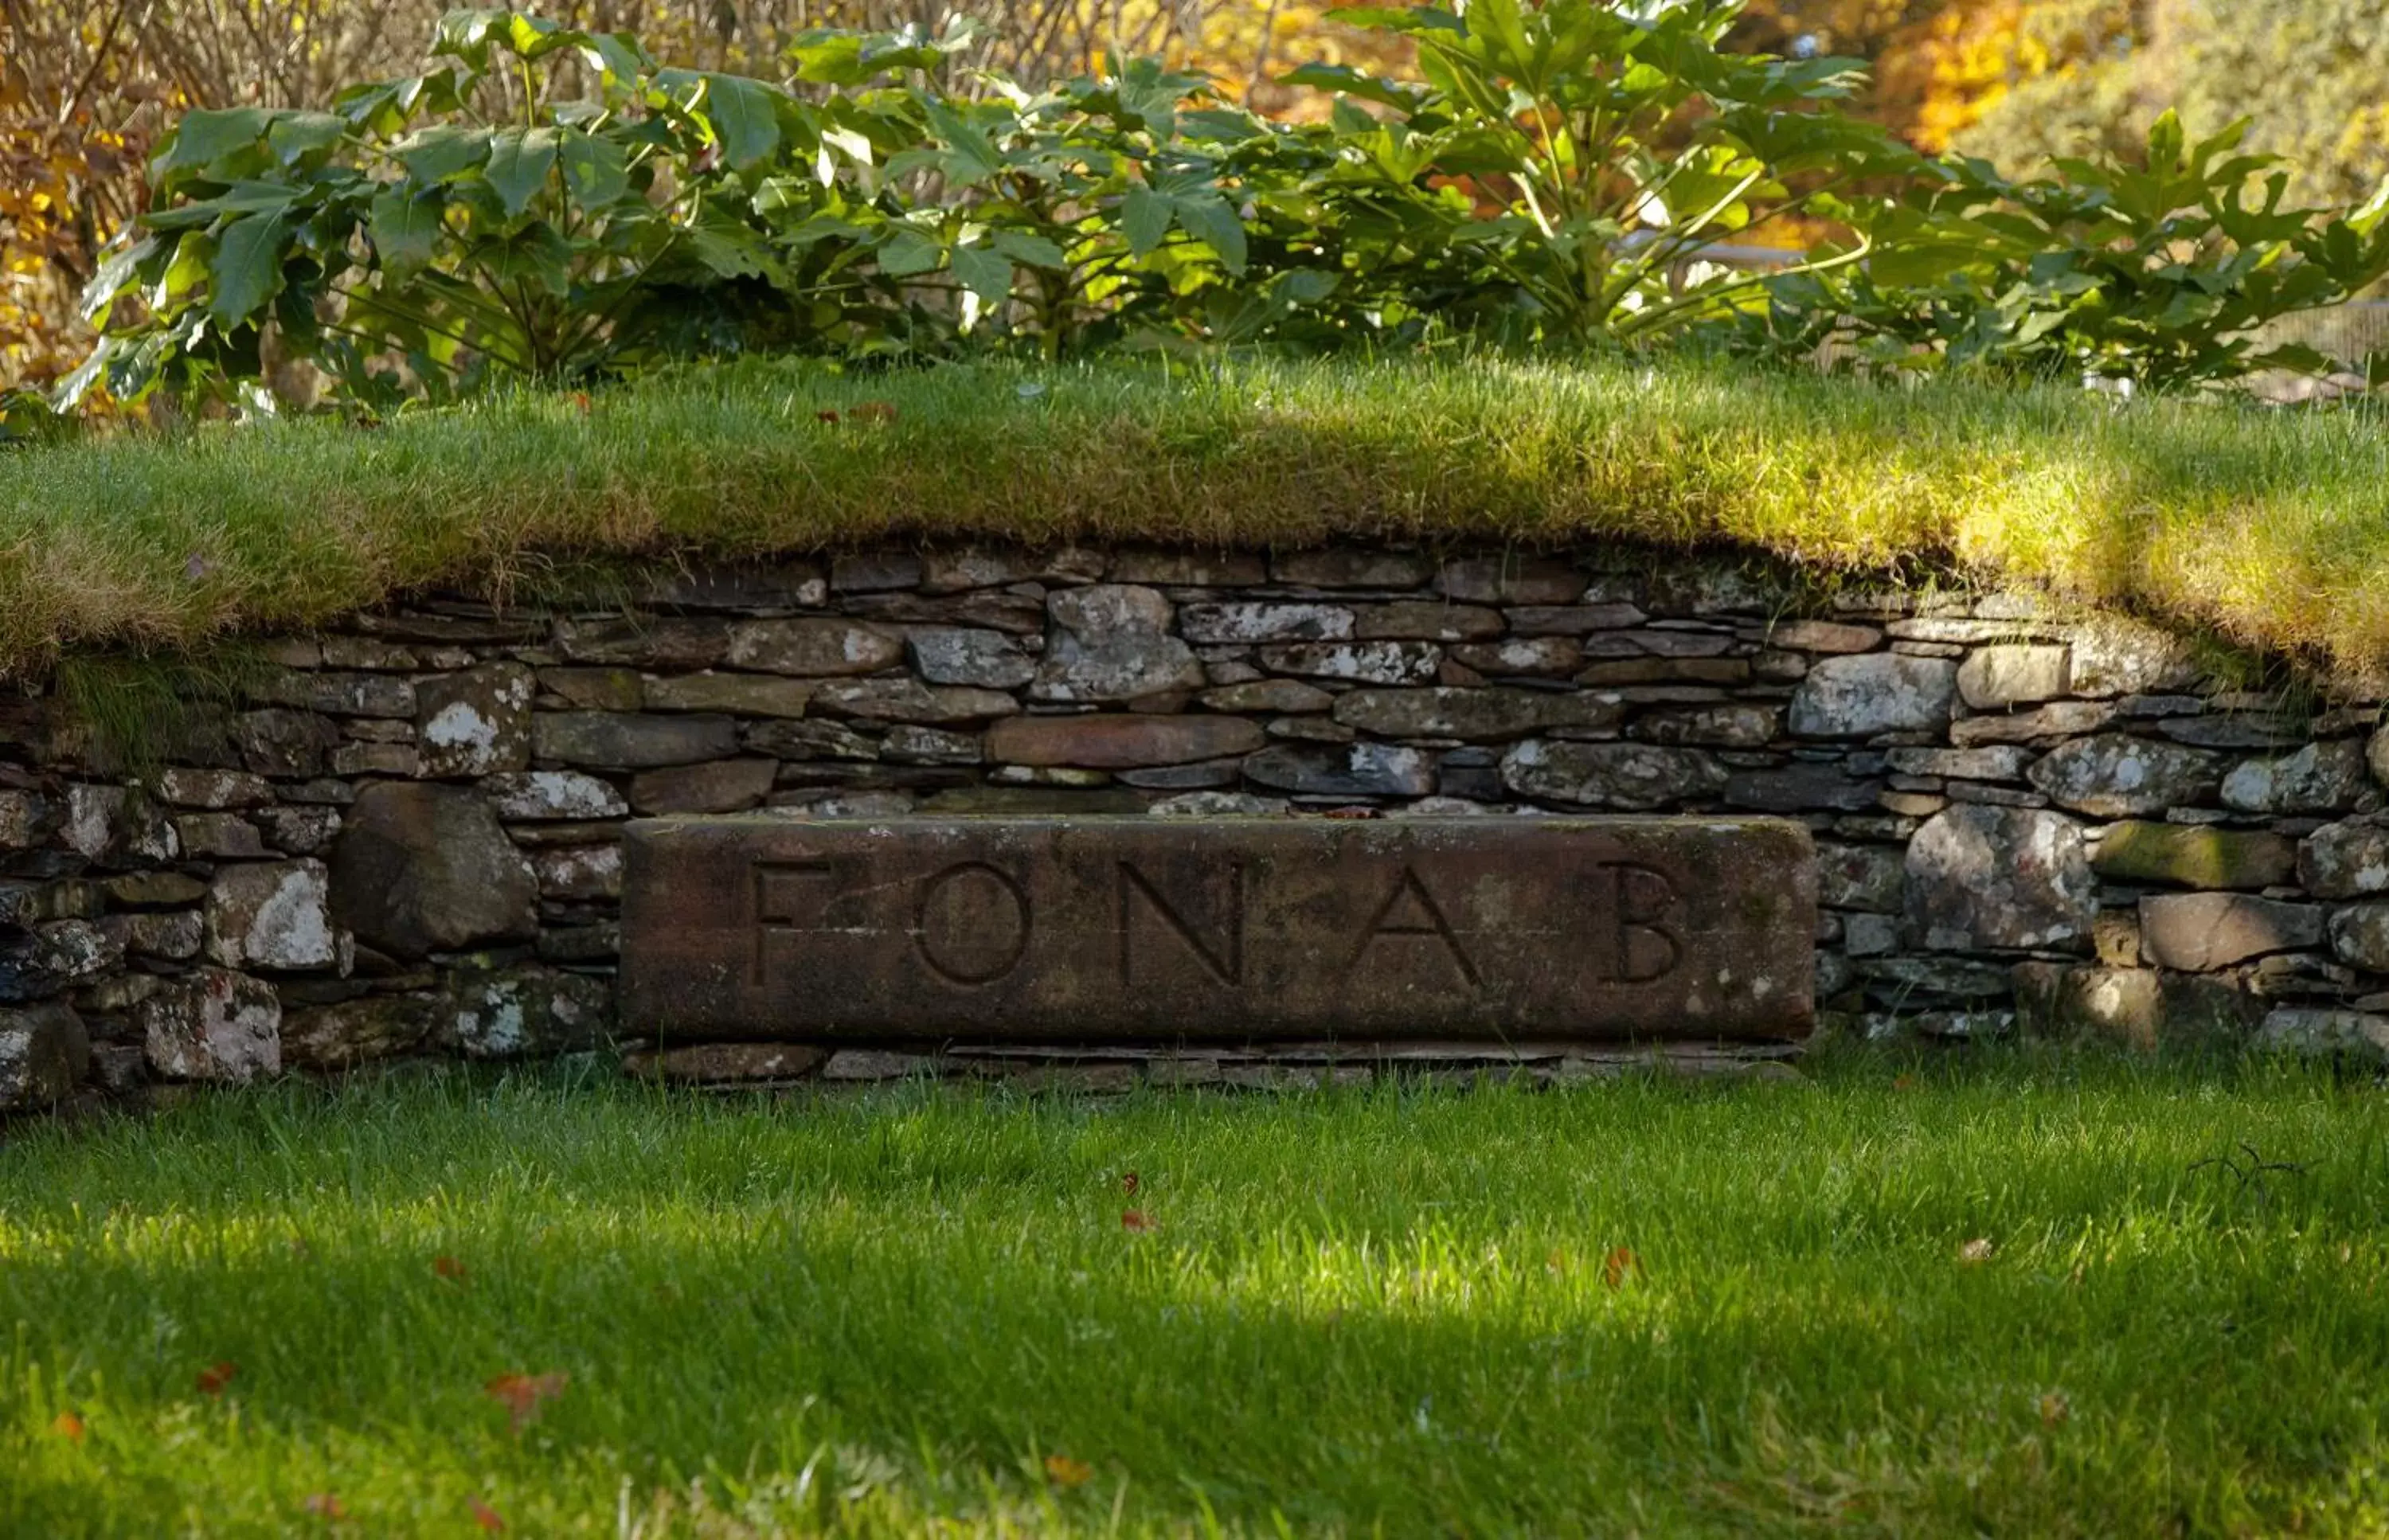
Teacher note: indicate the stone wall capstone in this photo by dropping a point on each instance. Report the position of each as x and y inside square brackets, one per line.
[408, 838]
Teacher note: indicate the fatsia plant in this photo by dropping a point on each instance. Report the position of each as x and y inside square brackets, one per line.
[461, 224]
[1573, 161]
[2161, 274]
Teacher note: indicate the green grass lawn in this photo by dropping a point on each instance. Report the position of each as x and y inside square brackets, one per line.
[2003, 1297]
[2270, 527]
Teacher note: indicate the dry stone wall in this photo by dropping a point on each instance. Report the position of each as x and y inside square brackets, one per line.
[407, 840]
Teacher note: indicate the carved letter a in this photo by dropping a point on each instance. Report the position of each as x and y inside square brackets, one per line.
[1411, 911]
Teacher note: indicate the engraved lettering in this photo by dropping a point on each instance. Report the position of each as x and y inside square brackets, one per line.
[971, 923]
[1410, 911]
[788, 899]
[1225, 964]
[1640, 897]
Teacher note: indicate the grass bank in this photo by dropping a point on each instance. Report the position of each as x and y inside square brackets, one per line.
[2269, 528]
[2004, 1298]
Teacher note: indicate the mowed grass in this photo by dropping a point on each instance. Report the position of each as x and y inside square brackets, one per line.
[2010, 1297]
[2268, 527]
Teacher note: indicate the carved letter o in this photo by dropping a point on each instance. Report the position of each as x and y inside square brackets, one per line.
[971, 923]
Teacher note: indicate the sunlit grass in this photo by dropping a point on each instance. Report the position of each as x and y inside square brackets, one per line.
[1638, 1307]
[2270, 527]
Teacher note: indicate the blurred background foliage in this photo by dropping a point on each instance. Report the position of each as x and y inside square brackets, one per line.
[88, 86]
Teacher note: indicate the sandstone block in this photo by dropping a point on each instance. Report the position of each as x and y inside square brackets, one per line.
[725, 1064]
[2188, 856]
[219, 836]
[2113, 775]
[427, 868]
[1110, 930]
[1572, 620]
[476, 723]
[1119, 742]
[1861, 696]
[595, 689]
[1990, 878]
[2059, 719]
[2198, 932]
[213, 1025]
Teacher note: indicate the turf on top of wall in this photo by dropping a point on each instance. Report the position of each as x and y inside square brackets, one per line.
[2271, 528]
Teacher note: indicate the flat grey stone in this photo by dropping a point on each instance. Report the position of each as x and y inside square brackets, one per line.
[2345, 861]
[474, 723]
[984, 659]
[1989, 878]
[619, 741]
[2320, 778]
[426, 868]
[2113, 775]
[1632, 777]
[2197, 933]
[275, 915]
[44, 1052]
[212, 1025]
[1347, 770]
[1860, 695]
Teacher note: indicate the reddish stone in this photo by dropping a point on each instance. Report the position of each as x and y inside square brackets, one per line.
[1119, 742]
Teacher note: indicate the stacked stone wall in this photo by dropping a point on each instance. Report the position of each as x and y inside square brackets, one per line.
[405, 838]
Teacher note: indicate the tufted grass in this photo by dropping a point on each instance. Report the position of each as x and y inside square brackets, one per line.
[1398, 1310]
[2268, 527]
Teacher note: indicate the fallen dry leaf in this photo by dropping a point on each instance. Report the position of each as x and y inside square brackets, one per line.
[829, 417]
[1062, 1470]
[68, 1426]
[1621, 1261]
[486, 1516]
[215, 1377]
[325, 1505]
[580, 399]
[1129, 1184]
[872, 412]
[1350, 813]
[1135, 1219]
[448, 1268]
[1903, 1083]
[2055, 1408]
[1976, 1251]
[521, 1395]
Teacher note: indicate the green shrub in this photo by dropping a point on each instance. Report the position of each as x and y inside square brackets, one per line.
[2157, 274]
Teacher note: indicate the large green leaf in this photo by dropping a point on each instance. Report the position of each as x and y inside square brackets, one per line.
[207, 137]
[442, 152]
[595, 169]
[519, 162]
[1208, 218]
[983, 273]
[1144, 218]
[404, 228]
[247, 267]
[746, 119]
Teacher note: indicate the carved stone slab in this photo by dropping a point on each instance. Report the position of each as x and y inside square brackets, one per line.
[1119, 930]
